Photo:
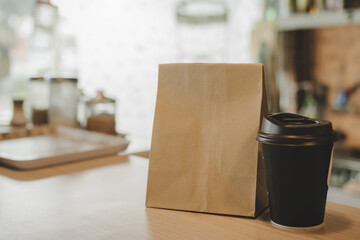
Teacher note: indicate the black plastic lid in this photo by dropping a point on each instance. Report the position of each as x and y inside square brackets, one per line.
[293, 129]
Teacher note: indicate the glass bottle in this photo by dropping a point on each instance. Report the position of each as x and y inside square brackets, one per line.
[64, 97]
[18, 119]
[101, 112]
[39, 100]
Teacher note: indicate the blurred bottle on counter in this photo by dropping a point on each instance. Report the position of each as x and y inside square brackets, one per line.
[18, 119]
[285, 8]
[201, 26]
[64, 97]
[307, 105]
[39, 100]
[101, 113]
[302, 6]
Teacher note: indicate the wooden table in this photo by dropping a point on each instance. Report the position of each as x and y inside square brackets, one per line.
[105, 199]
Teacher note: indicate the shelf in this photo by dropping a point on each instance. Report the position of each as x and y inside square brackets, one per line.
[346, 163]
[320, 20]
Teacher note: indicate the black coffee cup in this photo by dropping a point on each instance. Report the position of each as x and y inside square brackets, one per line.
[297, 151]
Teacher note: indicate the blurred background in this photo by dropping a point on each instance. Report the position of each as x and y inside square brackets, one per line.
[107, 52]
[114, 46]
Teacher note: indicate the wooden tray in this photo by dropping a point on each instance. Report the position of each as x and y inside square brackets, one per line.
[49, 145]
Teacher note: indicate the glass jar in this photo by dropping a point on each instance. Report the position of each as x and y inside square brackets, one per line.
[201, 28]
[39, 100]
[64, 97]
[101, 112]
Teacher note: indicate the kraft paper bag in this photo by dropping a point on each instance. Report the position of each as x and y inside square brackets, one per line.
[204, 154]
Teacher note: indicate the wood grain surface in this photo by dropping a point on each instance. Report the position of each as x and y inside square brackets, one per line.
[104, 198]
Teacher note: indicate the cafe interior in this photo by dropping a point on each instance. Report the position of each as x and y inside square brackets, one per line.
[80, 88]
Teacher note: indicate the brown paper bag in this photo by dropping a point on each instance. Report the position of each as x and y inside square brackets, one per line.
[204, 154]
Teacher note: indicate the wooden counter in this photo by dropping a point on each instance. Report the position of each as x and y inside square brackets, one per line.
[105, 199]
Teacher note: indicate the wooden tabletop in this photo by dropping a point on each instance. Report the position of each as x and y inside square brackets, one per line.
[105, 199]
